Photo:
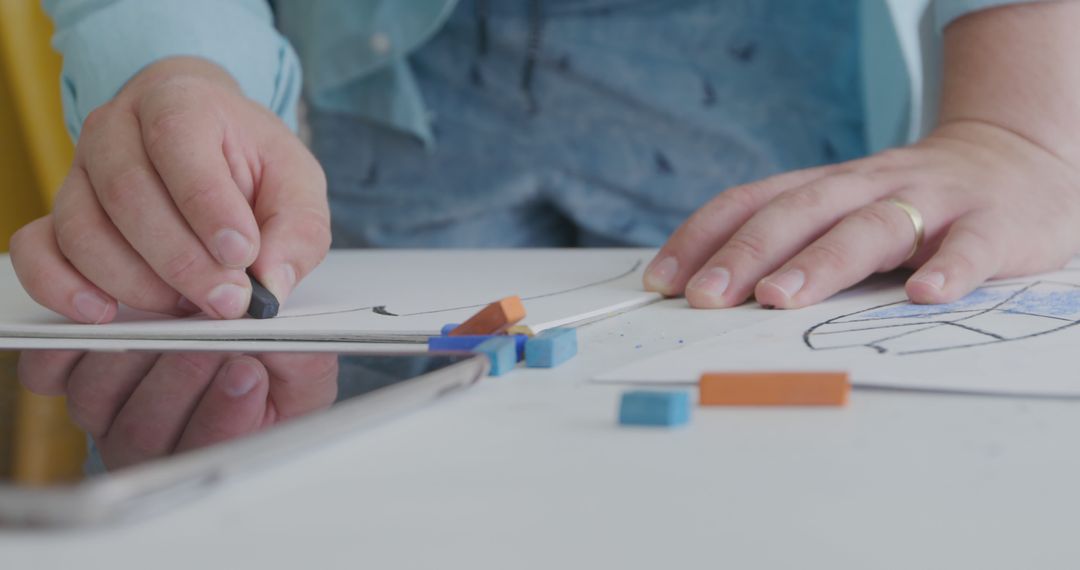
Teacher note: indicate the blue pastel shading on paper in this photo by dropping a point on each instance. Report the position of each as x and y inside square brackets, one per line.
[470, 342]
[551, 348]
[1063, 304]
[501, 352]
[976, 300]
[654, 408]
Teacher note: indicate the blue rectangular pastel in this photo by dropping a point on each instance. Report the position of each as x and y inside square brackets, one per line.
[551, 348]
[447, 328]
[501, 351]
[471, 341]
[654, 408]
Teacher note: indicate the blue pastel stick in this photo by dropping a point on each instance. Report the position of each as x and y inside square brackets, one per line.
[551, 348]
[654, 408]
[501, 351]
[470, 341]
[447, 328]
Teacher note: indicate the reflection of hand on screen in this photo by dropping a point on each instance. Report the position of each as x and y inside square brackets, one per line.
[139, 406]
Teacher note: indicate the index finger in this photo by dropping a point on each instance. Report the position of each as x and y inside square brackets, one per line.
[293, 215]
[187, 145]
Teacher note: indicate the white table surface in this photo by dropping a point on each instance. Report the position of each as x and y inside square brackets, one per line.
[530, 470]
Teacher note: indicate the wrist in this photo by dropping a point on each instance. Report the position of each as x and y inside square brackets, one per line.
[174, 68]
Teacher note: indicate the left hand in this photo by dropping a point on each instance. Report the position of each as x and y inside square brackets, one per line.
[994, 204]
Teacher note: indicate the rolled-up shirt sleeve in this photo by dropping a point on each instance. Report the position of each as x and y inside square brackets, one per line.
[104, 43]
[945, 11]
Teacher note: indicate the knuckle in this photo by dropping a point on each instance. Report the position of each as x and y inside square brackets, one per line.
[320, 368]
[830, 255]
[320, 239]
[891, 159]
[96, 118]
[316, 173]
[17, 243]
[191, 366]
[313, 227]
[147, 295]
[23, 240]
[962, 261]
[177, 268]
[973, 241]
[808, 198]
[748, 244]
[139, 440]
[697, 229]
[73, 236]
[878, 214]
[165, 127]
[743, 199]
[120, 187]
[86, 406]
[31, 376]
[198, 197]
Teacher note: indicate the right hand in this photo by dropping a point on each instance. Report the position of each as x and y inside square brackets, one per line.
[179, 183]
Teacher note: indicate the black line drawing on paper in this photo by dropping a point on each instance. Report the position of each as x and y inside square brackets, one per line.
[1002, 312]
[382, 310]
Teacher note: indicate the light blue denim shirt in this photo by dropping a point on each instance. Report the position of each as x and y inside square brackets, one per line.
[105, 42]
[637, 113]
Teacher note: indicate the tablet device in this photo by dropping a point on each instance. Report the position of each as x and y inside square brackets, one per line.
[164, 427]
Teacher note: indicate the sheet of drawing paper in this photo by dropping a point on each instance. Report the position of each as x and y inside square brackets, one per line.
[385, 296]
[1014, 336]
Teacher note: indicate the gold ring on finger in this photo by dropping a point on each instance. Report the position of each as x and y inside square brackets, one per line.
[916, 223]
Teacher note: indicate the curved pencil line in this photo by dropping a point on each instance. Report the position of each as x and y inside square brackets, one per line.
[630, 271]
[383, 311]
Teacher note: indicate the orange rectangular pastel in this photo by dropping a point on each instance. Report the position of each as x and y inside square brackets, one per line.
[495, 318]
[774, 389]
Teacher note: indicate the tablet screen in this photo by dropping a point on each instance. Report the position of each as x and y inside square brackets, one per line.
[69, 415]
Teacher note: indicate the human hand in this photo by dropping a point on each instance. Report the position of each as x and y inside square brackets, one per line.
[139, 405]
[994, 204]
[178, 184]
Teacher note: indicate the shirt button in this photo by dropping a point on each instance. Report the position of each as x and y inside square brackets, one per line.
[380, 43]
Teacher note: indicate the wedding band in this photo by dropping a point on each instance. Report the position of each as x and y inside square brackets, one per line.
[916, 223]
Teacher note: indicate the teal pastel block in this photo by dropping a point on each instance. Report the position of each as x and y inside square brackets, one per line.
[551, 348]
[501, 351]
[654, 408]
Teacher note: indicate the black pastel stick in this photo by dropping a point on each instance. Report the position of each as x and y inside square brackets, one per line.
[264, 304]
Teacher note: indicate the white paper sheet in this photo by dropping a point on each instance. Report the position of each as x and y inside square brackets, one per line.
[384, 296]
[1015, 336]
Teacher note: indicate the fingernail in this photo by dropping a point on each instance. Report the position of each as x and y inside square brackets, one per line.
[712, 282]
[790, 281]
[233, 249]
[185, 305]
[91, 306]
[229, 300]
[240, 378]
[935, 279]
[660, 274]
[281, 281]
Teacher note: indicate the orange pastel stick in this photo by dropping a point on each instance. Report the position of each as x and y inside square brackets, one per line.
[493, 319]
[773, 389]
